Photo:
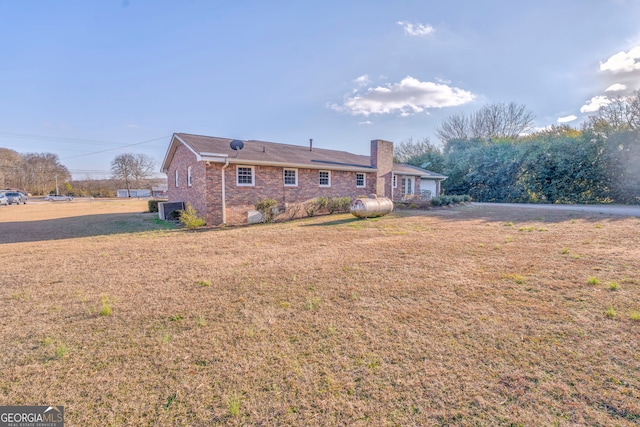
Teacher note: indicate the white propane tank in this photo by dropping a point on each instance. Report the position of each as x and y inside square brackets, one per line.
[371, 207]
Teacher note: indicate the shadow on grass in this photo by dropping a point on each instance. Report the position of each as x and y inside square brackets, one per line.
[80, 226]
[334, 222]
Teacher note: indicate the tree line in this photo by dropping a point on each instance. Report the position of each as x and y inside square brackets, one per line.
[42, 173]
[35, 173]
[493, 156]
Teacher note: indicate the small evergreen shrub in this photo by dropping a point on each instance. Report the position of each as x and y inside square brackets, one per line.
[338, 204]
[313, 207]
[266, 208]
[153, 205]
[189, 217]
[450, 200]
[322, 202]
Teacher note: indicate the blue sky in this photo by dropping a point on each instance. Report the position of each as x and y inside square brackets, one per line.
[89, 79]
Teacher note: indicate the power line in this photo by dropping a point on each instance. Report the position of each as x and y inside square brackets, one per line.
[116, 148]
[78, 141]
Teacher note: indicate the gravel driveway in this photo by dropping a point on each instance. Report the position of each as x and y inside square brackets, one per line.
[623, 210]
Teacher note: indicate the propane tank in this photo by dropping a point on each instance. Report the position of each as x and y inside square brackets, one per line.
[371, 207]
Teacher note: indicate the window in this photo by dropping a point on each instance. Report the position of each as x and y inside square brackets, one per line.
[407, 185]
[177, 181]
[290, 177]
[360, 180]
[395, 181]
[189, 181]
[244, 175]
[324, 179]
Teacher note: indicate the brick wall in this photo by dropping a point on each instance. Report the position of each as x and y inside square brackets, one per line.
[182, 159]
[382, 159]
[269, 183]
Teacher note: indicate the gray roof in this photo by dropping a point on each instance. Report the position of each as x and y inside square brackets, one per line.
[268, 153]
[214, 149]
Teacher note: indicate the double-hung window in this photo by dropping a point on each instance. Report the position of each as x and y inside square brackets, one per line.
[290, 177]
[189, 180]
[177, 180]
[245, 176]
[360, 180]
[324, 179]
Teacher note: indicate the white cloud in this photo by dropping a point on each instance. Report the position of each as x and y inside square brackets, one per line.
[417, 29]
[366, 122]
[623, 62]
[363, 80]
[594, 104]
[405, 98]
[617, 87]
[567, 119]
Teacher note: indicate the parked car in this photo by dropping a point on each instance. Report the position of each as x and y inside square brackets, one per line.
[3, 199]
[55, 197]
[16, 197]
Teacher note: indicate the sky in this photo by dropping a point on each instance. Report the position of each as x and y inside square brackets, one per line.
[91, 79]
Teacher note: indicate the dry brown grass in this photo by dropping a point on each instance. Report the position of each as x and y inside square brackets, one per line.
[470, 316]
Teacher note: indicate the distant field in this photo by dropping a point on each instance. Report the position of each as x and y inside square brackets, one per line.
[466, 316]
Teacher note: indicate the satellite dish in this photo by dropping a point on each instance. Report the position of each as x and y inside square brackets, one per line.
[236, 145]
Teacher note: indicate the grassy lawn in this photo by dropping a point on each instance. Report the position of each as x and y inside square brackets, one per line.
[465, 316]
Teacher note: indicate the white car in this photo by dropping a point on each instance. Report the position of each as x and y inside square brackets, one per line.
[55, 197]
[3, 199]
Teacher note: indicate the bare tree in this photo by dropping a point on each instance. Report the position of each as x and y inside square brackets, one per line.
[410, 149]
[43, 172]
[491, 121]
[622, 113]
[132, 169]
[11, 168]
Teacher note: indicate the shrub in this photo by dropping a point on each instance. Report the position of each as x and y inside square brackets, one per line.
[266, 207]
[339, 204]
[311, 208]
[153, 205]
[322, 202]
[292, 210]
[449, 200]
[189, 217]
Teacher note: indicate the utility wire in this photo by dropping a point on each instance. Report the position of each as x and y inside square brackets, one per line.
[116, 148]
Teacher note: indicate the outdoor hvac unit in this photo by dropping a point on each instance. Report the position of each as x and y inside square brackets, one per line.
[165, 209]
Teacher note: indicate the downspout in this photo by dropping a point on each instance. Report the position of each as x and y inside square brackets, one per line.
[224, 199]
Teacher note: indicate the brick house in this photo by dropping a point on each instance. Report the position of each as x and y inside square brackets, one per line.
[224, 184]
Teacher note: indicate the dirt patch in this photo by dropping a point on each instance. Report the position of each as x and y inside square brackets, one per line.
[458, 316]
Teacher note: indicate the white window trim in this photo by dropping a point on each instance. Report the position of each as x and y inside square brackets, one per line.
[253, 176]
[177, 180]
[189, 177]
[364, 180]
[295, 174]
[329, 179]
